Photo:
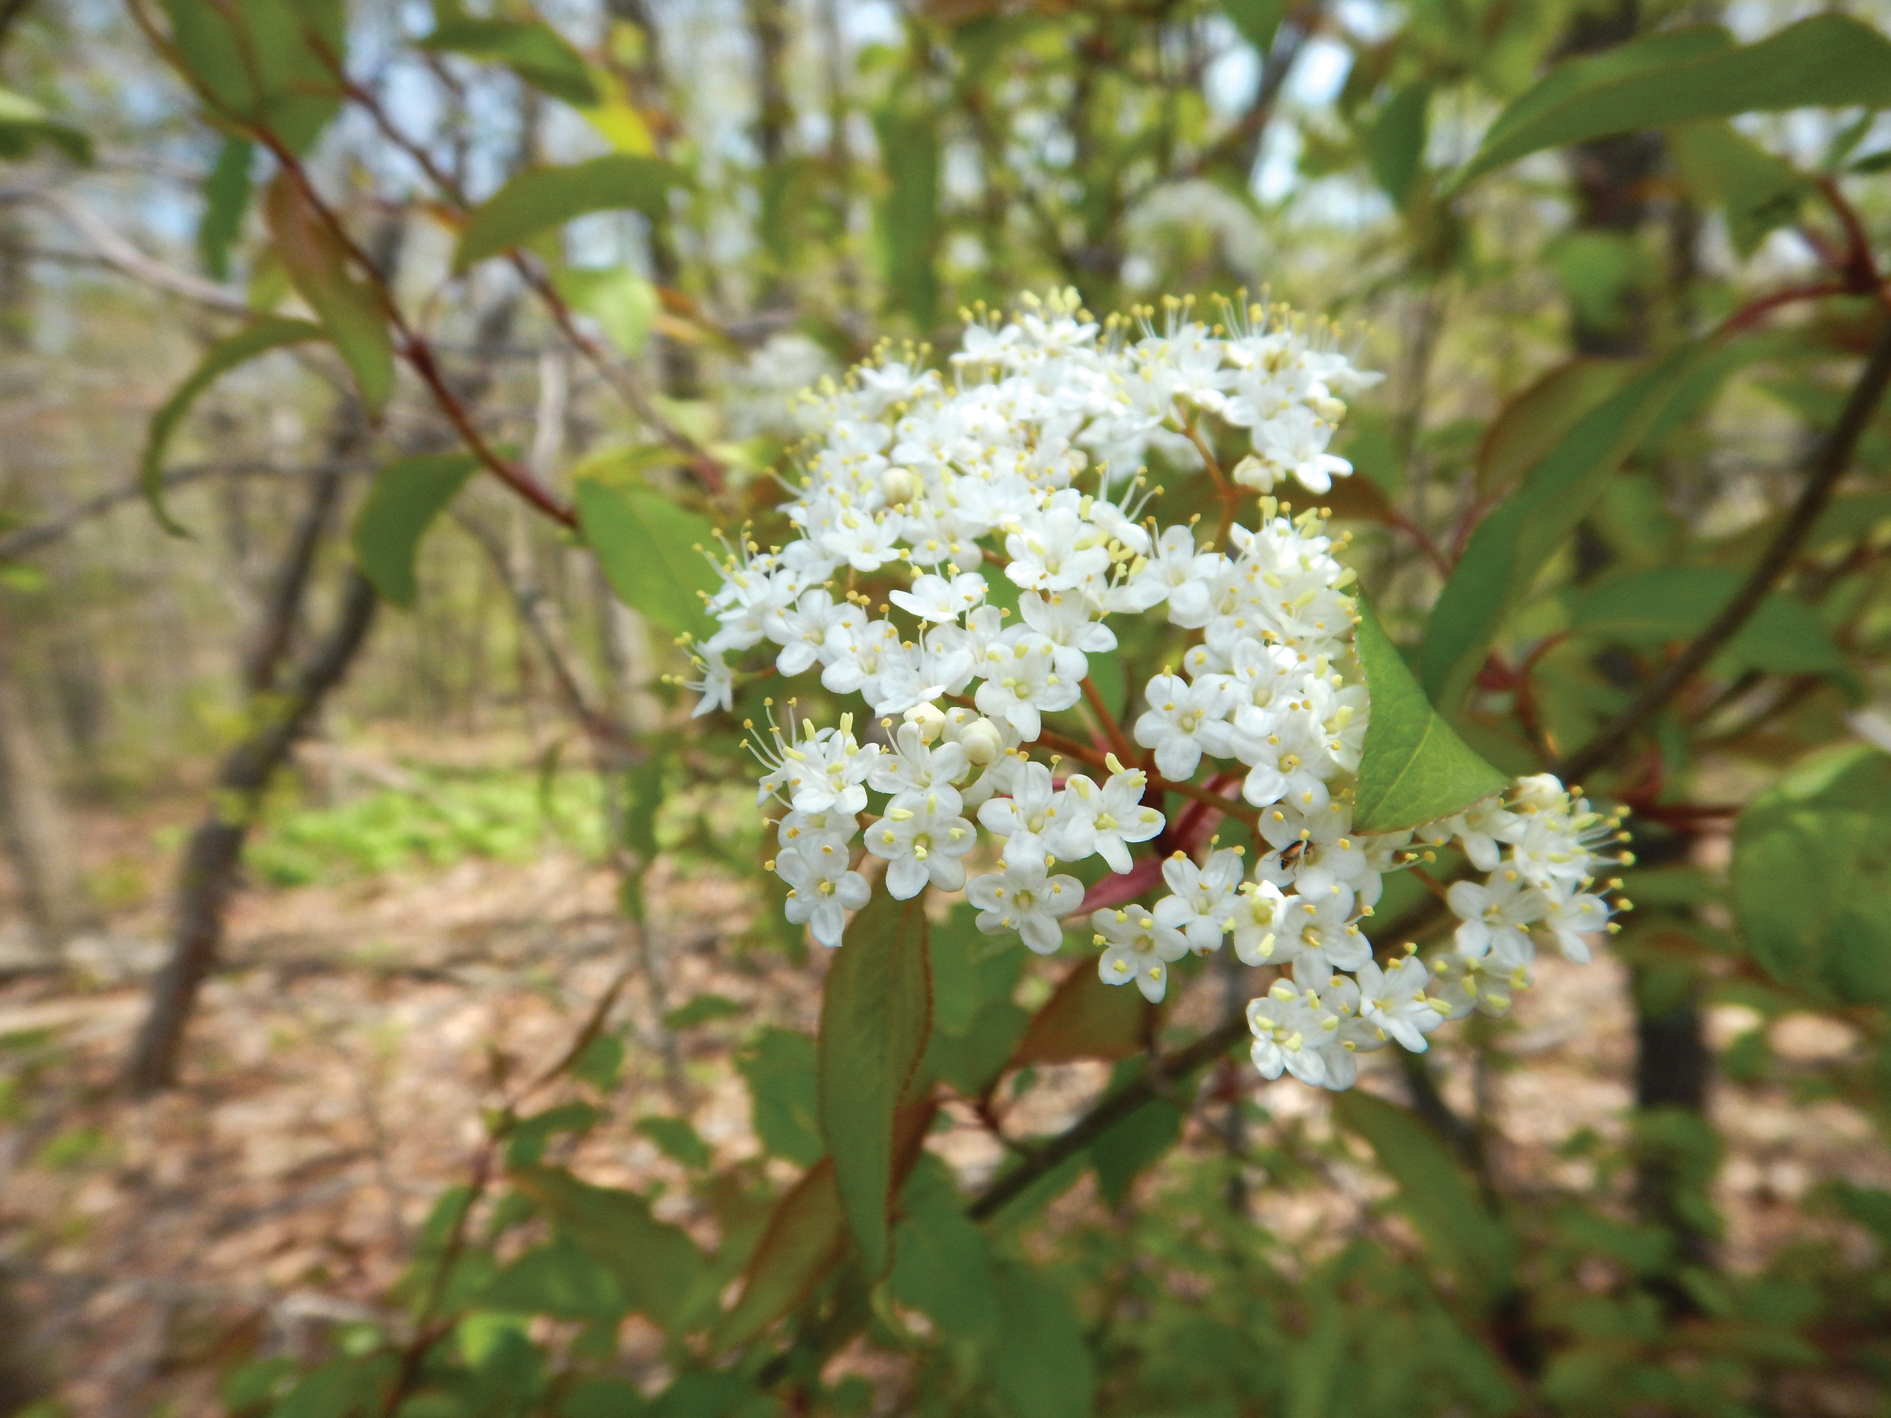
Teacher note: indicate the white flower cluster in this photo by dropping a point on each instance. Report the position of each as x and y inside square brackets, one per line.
[944, 496]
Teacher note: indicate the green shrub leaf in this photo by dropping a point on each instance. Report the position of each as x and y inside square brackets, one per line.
[269, 333]
[407, 496]
[1812, 873]
[648, 547]
[1827, 61]
[653, 1263]
[1414, 768]
[876, 1012]
[545, 197]
[348, 306]
[531, 49]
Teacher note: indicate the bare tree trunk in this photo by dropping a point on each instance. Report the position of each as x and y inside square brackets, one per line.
[33, 826]
[214, 857]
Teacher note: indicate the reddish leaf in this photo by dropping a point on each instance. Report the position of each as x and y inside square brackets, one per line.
[1087, 1019]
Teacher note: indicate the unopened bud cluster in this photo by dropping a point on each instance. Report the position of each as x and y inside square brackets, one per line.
[1016, 476]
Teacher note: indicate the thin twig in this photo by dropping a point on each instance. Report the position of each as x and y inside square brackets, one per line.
[1828, 464]
[1155, 1080]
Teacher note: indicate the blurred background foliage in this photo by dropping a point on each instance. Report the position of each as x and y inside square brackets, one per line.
[499, 264]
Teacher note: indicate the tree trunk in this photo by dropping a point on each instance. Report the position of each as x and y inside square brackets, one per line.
[214, 856]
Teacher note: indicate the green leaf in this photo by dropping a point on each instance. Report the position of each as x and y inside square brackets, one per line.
[1414, 768]
[525, 1144]
[650, 550]
[348, 306]
[1827, 61]
[1462, 1234]
[558, 1279]
[909, 212]
[1135, 1141]
[701, 1009]
[678, 1140]
[969, 970]
[1812, 871]
[24, 123]
[1670, 603]
[1509, 548]
[942, 1266]
[267, 63]
[1721, 168]
[623, 303]
[407, 496]
[1256, 20]
[529, 48]
[973, 1060]
[1039, 1365]
[1541, 416]
[653, 1263]
[784, 1094]
[544, 197]
[1395, 141]
[226, 198]
[269, 333]
[876, 1012]
[805, 1239]
[1869, 1207]
[601, 1398]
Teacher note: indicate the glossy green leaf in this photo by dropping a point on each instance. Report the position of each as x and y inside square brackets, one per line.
[1671, 603]
[269, 63]
[226, 198]
[348, 306]
[1414, 768]
[651, 550]
[529, 48]
[805, 1239]
[1039, 1365]
[1722, 168]
[407, 496]
[653, 1262]
[558, 1279]
[1826, 61]
[909, 212]
[1257, 20]
[259, 337]
[25, 124]
[1812, 874]
[1509, 548]
[942, 1266]
[1459, 1229]
[784, 1093]
[876, 1013]
[544, 197]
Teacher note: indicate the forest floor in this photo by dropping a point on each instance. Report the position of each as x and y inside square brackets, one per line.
[338, 1064]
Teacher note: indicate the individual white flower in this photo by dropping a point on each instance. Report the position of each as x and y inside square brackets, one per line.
[1182, 722]
[1022, 684]
[919, 847]
[1065, 622]
[821, 889]
[1319, 917]
[716, 686]
[1104, 821]
[933, 598]
[1261, 929]
[1027, 899]
[1568, 921]
[795, 828]
[915, 768]
[1495, 918]
[1287, 1033]
[1055, 551]
[1203, 906]
[1027, 819]
[807, 628]
[1138, 947]
[1394, 1000]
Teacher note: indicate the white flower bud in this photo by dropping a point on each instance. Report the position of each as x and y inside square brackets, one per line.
[981, 741]
[901, 485]
[930, 719]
